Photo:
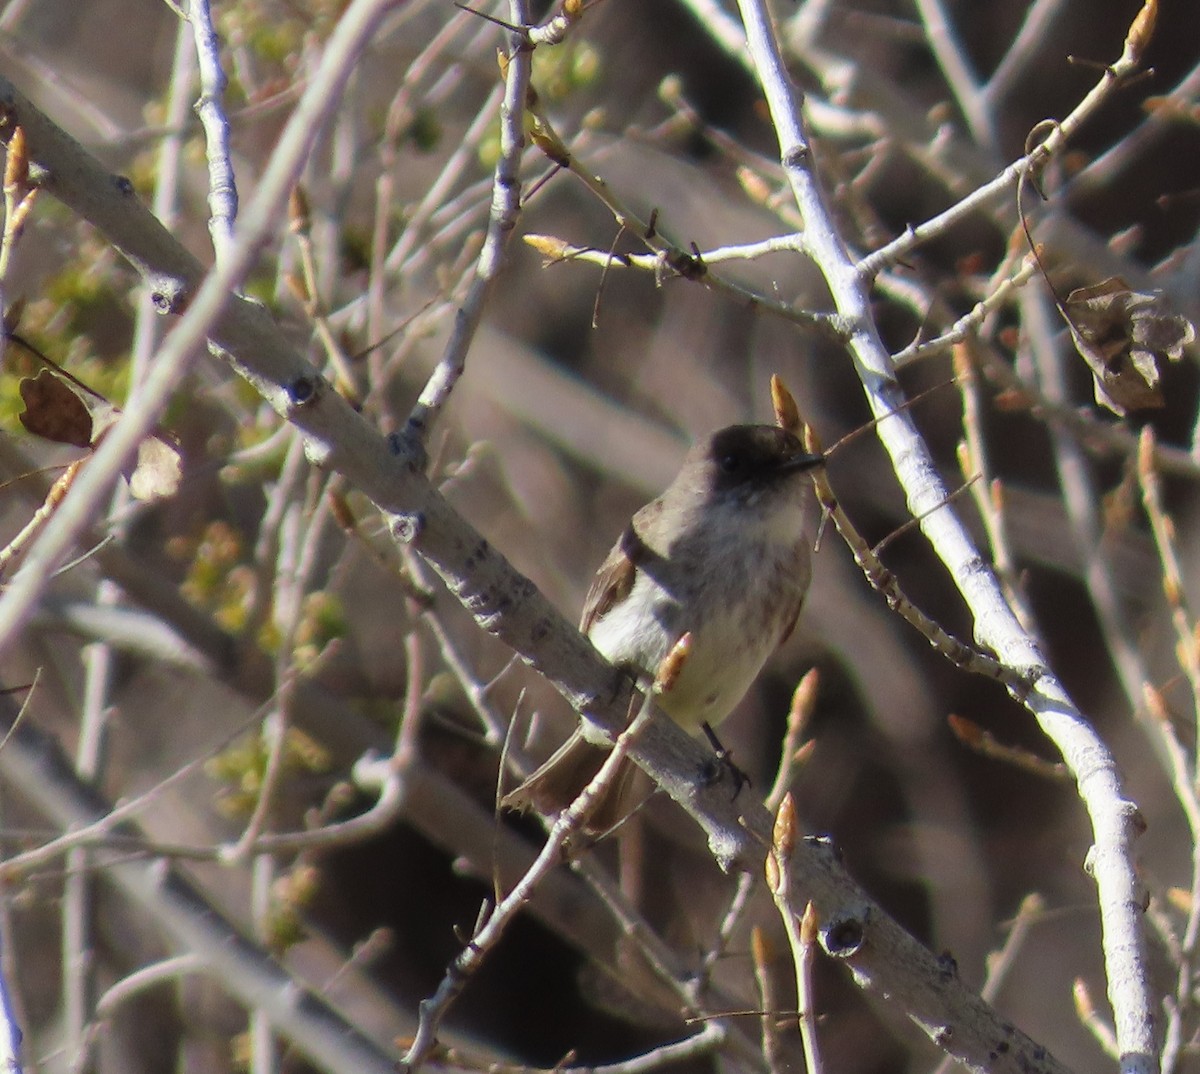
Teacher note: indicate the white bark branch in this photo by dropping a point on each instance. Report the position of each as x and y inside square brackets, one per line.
[1115, 820]
[222, 185]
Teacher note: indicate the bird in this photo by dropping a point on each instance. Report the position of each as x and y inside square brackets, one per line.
[724, 554]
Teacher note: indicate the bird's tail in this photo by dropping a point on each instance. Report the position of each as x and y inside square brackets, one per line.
[558, 782]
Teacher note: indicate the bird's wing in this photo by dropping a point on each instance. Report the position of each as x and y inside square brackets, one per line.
[613, 580]
[616, 575]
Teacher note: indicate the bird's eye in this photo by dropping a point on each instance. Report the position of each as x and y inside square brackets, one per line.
[730, 464]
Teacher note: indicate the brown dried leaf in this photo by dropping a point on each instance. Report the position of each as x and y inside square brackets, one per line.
[1123, 336]
[54, 410]
[72, 414]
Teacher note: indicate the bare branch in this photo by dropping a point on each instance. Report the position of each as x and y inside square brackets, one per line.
[1114, 819]
[222, 185]
[31, 764]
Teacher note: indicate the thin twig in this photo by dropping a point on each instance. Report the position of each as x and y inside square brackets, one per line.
[506, 207]
[167, 970]
[805, 1001]
[988, 492]
[308, 292]
[167, 178]
[1039, 18]
[693, 266]
[768, 994]
[12, 551]
[1058, 134]
[956, 68]
[668, 967]
[801, 929]
[210, 107]
[1187, 648]
[997, 296]
[433, 1010]
[667, 256]
[804, 701]
[1182, 766]
[883, 580]
[1000, 962]
[730, 920]
[1093, 1021]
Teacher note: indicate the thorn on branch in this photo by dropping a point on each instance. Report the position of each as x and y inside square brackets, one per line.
[511, 27]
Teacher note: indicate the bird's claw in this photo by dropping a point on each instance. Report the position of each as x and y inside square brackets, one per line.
[720, 763]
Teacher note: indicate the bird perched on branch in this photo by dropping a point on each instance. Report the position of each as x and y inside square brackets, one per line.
[723, 554]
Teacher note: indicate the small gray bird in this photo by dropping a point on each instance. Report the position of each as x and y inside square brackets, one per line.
[723, 553]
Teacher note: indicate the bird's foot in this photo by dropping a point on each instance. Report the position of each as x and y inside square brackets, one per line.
[722, 763]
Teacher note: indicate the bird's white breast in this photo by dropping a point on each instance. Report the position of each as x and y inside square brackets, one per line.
[749, 601]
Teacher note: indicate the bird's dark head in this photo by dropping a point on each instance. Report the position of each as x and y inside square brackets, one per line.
[744, 460]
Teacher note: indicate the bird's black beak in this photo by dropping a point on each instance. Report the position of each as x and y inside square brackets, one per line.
[794, 464]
